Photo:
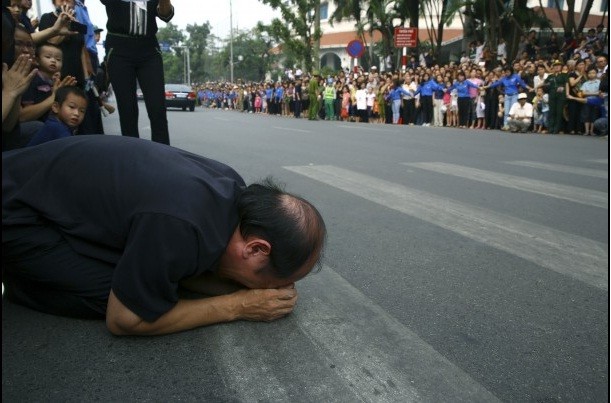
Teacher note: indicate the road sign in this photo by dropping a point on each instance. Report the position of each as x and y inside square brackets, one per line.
[406, 37]
[164, 46]
[355, 48]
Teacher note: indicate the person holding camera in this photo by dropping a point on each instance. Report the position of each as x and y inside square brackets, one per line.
[133, 56]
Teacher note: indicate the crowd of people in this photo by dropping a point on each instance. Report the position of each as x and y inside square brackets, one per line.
[564, 84]
[41, 57]
[562, 89]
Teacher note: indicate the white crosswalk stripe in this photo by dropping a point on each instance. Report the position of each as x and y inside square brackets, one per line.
[571, 255]
[571, 193]
[342, 332]
[596, 173]
[399, 367]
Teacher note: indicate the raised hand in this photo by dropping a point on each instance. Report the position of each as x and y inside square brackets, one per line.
[17, 79]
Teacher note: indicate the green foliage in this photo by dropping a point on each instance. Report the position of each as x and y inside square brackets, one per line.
[171, 35]
[172, 68]
[198, 45]
[296, 31]
[379, 15]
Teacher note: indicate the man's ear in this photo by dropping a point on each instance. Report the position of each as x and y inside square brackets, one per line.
[257, 247]
[55, 107]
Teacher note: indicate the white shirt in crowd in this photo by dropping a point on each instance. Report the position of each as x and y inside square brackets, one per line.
[537, 80]
[361, 99]
[501, 51]
[521, 112]
[479, 52]
[371, 98]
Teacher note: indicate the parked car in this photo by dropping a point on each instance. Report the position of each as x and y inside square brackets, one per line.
[179, 96]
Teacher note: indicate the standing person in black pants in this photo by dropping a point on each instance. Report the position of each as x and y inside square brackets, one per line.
[298, 97]
[134, 56]
[464, 99]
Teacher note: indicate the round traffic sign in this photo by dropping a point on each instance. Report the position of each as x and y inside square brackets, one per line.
[355, 48]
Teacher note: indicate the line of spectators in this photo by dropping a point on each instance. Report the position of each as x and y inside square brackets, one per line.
[469, 94]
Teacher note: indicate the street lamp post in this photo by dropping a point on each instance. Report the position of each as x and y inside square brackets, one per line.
[186, 57]
[230, 41]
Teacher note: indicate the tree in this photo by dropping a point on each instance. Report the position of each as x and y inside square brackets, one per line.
[173, 65]
[198, 45]
[376, 15]
[494, 19]
[297, 31]
[253, 48]
[170, 34]
[571, 26]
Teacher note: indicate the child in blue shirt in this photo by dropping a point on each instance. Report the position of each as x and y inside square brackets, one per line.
[590, 112]
[68, 112]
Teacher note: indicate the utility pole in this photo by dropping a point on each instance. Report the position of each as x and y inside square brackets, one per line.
[230, 41]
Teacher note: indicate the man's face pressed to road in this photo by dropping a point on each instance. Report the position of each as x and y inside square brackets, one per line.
[245, 261]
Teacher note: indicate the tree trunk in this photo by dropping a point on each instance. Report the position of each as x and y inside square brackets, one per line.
[585, 13]
[570, 16]
[444, 6]
[564, 27]
[414, 16]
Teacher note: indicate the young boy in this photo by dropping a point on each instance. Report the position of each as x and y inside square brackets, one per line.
[541, 110]
[37, 100]
[68, 110]
[590, 112]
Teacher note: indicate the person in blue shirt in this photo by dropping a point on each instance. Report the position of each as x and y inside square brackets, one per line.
[394, 95]
[278, 97]
[68, 109]
[269, 92]
[510, 82]
[426, 90]
[464, 98]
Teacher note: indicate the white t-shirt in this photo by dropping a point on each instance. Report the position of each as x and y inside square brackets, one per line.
[479, 52]
[538, 80]
[371, 98]
[361, 99]
[501, 51]
[518, 111]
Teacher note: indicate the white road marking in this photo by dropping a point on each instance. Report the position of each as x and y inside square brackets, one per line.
[360, 354]
[571, 193]
[365, 126]
[597, 173]
[292, 129]
[571, 255]
[380, 358]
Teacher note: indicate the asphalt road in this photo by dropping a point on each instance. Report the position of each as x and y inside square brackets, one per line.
[461, 266]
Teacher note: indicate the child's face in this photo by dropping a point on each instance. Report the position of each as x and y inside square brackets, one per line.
[591, 74]
[71, 111]
[539, 92]
[50, 60]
